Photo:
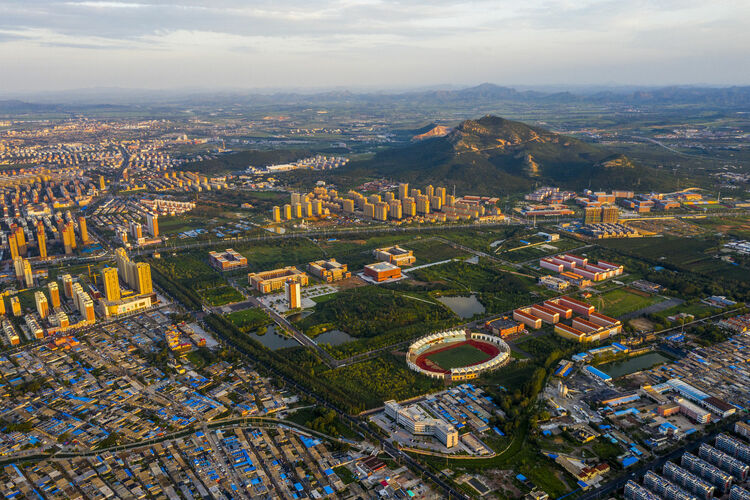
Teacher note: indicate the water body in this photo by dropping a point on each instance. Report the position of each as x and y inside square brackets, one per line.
[300, 315]
[631, 365]
[464, 307]
[273, 340]
[333, 337]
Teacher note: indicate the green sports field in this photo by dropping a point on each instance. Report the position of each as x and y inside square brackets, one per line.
[463, 355]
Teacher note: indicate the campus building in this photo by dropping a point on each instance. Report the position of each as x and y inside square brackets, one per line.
[395, 255]
[292, 291]
[329, 270]
[271, 281]
[228, 260]
[419, 423]
[382, 271]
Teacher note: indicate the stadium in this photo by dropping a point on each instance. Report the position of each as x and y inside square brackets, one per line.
[457, 354]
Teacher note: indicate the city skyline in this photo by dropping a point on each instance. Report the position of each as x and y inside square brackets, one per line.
[377, 44]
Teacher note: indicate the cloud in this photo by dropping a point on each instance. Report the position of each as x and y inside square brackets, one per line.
[394, 41]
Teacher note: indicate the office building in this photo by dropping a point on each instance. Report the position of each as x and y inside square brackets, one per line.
[293, 292]
[41, 239]
[111, 284]
[42, 307]
[54, 294]
[152, 221]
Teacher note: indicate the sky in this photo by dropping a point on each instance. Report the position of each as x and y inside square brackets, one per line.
[254, 44]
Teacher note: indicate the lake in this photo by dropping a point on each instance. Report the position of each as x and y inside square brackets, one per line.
[631, 365]
[464, 307]
[274, 341]
[333, 337]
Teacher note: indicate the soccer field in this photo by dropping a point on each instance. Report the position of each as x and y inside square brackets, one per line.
[463, 355]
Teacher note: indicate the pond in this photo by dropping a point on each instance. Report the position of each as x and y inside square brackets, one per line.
[464, 307]
[300, 315]
[274, 341]
[333, 337]
[631, 365]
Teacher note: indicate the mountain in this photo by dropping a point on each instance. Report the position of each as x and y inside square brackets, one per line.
[436, 131]
[493, 155]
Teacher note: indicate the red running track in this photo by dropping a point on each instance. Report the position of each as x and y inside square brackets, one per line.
[490, 349]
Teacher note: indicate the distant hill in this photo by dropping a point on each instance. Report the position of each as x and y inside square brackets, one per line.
[495, 155]
[436, 131]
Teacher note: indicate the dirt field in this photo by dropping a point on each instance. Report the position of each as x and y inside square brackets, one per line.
[641, 324]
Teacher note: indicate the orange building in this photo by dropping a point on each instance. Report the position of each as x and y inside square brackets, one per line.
[381, 271]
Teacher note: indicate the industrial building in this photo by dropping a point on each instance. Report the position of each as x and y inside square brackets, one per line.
[693, 412]
[329, 270]
[382, 271]
[271, 281]
[228, 260]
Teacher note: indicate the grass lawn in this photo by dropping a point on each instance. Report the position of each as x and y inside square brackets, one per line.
[221, 295]
[463, 355]
[618, 302]
[249, 319]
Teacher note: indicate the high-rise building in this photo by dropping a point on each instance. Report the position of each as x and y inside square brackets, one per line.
[610, 214]
[111, 284]
[21, 240]
[136, 230]
[102, 184]
[13, 245]
[66, 241]
[54, 293]
[276, 214]
[152, 221]
[287, 211]
[143, 278]
[42, 307]
[18, 267]
[592, 215]
[83, 230]
[394, 209]
[41, 239]
[293, 292]
[28, 275]
[440, 193]
[15, 306]
[403, 190]
[423, 204]
[2, 306]
[71, 229]
[429, 190]
[67, 285]
[409, 207]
